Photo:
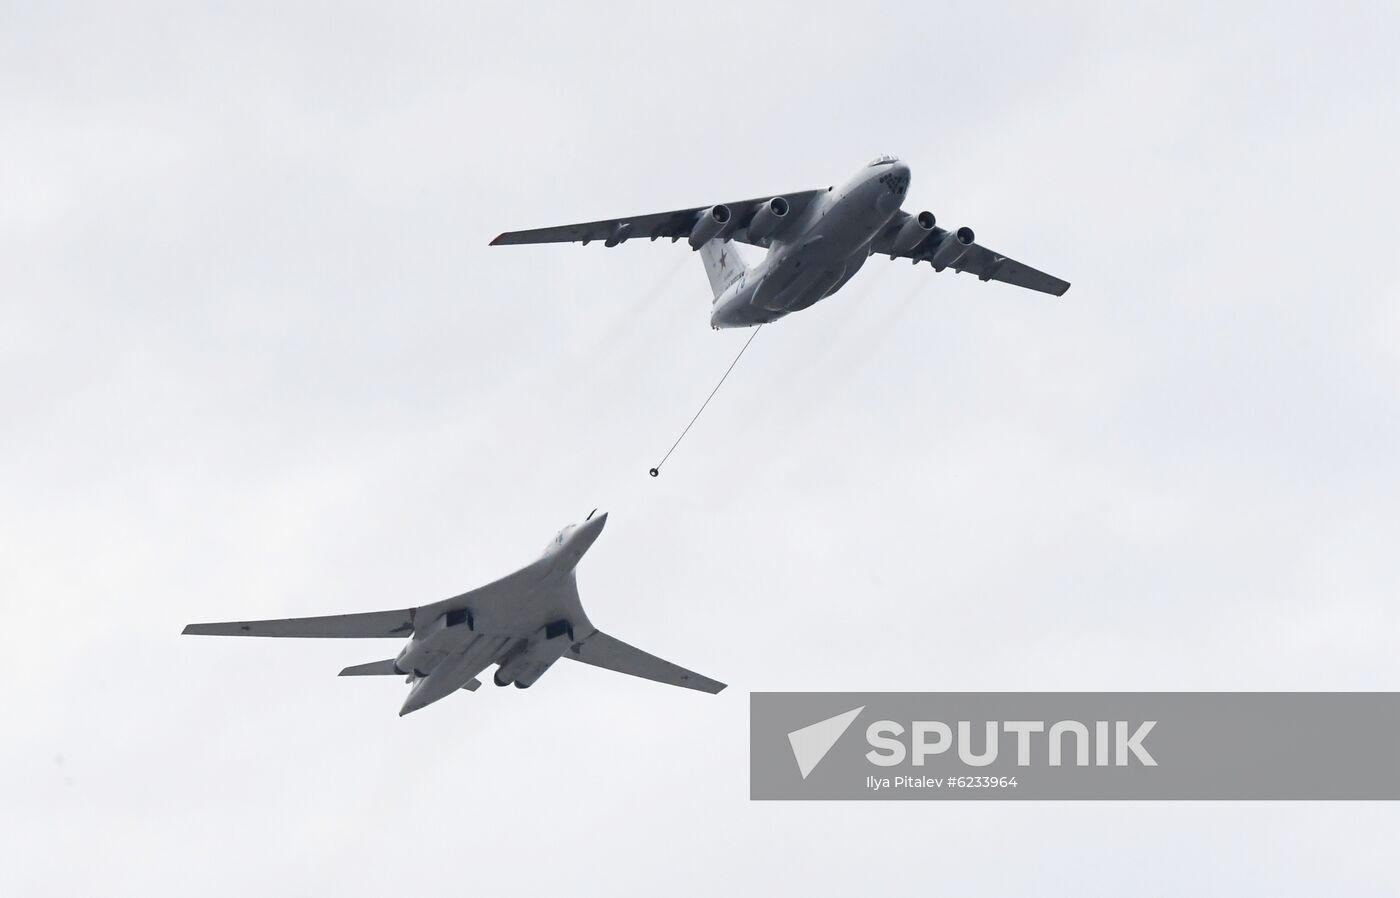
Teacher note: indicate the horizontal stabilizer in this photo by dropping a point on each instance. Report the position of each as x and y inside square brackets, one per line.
[384, 668]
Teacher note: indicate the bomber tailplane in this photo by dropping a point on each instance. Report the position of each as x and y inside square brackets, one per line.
[386, 668]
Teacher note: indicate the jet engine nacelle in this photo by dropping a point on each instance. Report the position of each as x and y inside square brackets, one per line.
[529, 675]
[713, 222]
[416, 654]
[769, 219]
[914, 232]
[954, 244]
[510, 668]
[525, 667]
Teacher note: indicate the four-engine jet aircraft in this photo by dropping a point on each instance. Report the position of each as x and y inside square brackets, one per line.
[522, 623]
[816, 241]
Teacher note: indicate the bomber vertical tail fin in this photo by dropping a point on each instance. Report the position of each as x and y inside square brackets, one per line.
[722, 264]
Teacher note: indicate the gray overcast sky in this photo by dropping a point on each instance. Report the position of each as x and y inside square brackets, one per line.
[257, 360]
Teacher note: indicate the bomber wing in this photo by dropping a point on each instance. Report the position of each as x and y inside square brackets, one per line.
[602, 650]
[676, 225]
[369, 625]
[943, 249]
[489, 606]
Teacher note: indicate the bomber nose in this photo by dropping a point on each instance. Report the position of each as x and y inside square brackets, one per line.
[588, 531]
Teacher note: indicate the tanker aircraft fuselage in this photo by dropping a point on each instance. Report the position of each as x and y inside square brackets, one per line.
[824, 251]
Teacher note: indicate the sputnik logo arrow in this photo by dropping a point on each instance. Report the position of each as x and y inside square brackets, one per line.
[811, 743]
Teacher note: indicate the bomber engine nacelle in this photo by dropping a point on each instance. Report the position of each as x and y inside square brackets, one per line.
[713, 222]
[914, 232]
[769, 219]
[539, 654]
[527, 677]
[510, 668]
[953, 245]
[419, 648]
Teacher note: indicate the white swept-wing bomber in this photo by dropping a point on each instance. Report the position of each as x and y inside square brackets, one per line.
[816, 241]
[522, 623]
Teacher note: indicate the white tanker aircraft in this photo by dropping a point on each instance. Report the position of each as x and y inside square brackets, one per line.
[816, 241]
[522, 623]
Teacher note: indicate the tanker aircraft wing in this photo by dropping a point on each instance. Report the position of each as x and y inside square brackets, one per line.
[958, 251]
[728, 220]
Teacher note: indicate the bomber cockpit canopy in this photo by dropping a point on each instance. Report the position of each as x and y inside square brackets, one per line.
[558, 542]
[883, 160]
